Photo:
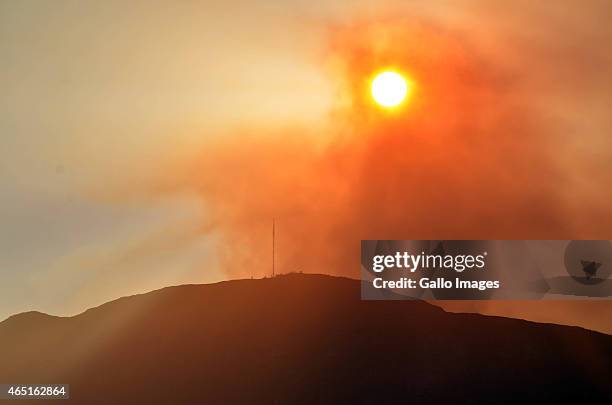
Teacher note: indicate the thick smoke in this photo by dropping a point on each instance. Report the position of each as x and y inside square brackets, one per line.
[467, 157]
[484, 149]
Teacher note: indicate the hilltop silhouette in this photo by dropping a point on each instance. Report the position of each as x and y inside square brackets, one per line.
[299, 339]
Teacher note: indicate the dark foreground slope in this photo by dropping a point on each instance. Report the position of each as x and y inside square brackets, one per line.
[299, 339]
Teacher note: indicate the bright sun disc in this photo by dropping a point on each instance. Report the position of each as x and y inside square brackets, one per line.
[389, 89]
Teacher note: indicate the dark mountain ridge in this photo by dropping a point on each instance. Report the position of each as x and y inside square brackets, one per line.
[299, 339]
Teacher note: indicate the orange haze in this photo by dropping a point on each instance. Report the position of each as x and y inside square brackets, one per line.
[469, 156]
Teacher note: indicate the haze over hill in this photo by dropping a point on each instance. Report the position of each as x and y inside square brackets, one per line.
[299, 339]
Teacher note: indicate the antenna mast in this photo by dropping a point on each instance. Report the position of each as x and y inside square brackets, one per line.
[273, 236]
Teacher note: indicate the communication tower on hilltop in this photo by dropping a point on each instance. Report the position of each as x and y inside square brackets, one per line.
[273, 242]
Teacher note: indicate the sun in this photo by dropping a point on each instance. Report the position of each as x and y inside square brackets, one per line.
[389, 89]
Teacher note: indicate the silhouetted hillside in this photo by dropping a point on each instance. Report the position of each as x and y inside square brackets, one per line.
[299, 339]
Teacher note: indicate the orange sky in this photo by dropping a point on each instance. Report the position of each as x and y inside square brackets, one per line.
[155, 148]
[475, 154]
[472, 155]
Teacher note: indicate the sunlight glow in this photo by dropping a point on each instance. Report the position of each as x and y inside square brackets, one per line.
[389, 89]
